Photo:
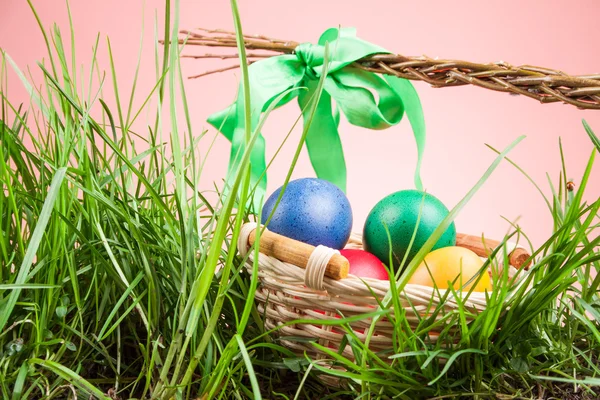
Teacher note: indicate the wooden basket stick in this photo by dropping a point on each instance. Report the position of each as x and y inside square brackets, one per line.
[297, 253]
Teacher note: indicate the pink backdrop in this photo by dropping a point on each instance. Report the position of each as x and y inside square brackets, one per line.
[459, 120]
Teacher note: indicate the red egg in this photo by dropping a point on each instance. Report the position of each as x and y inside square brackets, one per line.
[364, 264]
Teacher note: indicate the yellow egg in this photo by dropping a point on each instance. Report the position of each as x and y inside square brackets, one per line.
[451, 264]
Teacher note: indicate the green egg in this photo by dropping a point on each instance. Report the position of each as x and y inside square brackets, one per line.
[399, 212]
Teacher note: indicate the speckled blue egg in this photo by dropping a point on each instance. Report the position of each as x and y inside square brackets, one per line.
[311, 210]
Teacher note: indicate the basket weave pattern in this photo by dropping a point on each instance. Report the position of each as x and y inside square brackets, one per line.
[283, 296]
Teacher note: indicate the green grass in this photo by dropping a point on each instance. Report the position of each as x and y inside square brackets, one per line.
[119, 278]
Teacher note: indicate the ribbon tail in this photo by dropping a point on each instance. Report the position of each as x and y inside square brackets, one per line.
[225, 121]
[336, 115]
[268, 80]
[258, 176]
[258, 166]
[414, 112]
[230, 122]
[323, 140]
[258, 173]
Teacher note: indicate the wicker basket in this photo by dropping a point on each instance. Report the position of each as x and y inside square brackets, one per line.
[289, 292]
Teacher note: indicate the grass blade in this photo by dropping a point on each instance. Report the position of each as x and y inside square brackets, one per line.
[34, 243]
[71, 377]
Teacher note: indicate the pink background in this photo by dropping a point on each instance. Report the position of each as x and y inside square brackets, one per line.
[459, 120]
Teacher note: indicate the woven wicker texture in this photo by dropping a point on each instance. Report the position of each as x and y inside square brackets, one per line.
[283, 296]
[543, 84]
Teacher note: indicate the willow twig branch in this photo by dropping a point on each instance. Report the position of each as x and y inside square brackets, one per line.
[226, 56]
[215, 71]
[542, 84]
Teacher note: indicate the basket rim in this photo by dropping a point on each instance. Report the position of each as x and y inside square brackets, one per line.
[355, 242]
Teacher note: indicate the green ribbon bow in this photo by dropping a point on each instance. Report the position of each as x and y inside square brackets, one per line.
[351, 88]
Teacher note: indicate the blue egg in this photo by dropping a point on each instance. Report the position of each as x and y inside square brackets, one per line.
[311, 210]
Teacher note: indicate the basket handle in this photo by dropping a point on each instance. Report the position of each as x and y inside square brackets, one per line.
[545, 85]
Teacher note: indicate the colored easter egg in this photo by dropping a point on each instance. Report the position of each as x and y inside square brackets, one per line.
[311, 210]
[364, 264]
[451, 264]
[399, 213]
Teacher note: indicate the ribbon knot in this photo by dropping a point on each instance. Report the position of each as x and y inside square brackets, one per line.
[351, 88]
[310, 55]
